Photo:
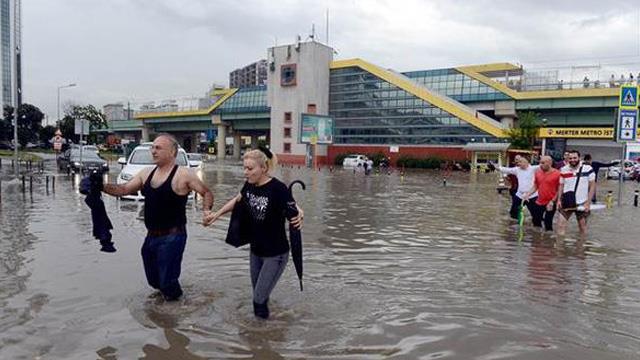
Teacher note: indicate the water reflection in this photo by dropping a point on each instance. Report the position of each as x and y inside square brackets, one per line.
[177, 342]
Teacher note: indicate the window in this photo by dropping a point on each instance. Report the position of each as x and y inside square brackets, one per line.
[287, 117]
[287, 148]
[287, 132]
[311, 109]
[288, 75]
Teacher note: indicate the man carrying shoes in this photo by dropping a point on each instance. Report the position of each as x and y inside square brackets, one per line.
[525, 174]
[165, 188]
[546, 182]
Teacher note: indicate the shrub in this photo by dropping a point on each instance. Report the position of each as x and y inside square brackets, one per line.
[419, 163]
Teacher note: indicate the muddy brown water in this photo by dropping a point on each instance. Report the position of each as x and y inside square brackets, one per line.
[394, 269]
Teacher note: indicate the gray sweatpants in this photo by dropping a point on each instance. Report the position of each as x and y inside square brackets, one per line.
[265, 273]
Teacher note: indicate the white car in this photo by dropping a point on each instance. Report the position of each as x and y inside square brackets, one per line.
[614, 171]
[195, 160]
[140, 158]
[354, 160]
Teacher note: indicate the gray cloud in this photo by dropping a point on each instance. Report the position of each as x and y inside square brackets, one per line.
[137, 50]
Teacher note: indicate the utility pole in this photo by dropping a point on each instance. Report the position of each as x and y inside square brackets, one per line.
[17, 101]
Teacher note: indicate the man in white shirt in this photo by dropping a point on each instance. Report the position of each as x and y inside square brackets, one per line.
[526, 175]
[582, 174]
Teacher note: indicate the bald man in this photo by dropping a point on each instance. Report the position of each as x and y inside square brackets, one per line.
[545, 183]
[165, 188]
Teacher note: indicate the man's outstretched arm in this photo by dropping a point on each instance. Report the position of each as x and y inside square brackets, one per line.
[130, 187]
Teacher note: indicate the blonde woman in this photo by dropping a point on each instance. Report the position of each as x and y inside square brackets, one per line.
[265, 198]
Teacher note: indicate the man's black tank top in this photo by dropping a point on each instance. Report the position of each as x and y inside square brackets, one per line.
[163, 208]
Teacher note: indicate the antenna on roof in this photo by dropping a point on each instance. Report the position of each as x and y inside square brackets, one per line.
[327, 28]
[313, 32]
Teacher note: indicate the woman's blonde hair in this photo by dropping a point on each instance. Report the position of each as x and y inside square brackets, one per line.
[261, 159]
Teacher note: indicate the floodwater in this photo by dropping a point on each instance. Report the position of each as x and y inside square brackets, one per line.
[394, 269]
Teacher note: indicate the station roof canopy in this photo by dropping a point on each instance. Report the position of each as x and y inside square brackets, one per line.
[473, 146]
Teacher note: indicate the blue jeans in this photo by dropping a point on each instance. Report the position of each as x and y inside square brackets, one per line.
[162, 258]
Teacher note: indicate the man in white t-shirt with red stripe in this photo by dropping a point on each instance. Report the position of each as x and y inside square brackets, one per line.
[582, 174]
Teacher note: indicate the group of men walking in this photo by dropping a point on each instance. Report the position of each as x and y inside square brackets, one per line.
[545, 189]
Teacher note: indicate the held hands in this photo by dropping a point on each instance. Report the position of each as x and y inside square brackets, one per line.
[209, 217]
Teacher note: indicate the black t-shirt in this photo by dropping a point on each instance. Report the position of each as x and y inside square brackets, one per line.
[266, 207]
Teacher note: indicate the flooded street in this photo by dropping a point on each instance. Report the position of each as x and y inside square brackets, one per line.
[394, 269]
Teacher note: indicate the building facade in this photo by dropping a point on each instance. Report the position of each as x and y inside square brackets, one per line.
[251, 75]
[436, 112]
[10, 46]
[298, 82]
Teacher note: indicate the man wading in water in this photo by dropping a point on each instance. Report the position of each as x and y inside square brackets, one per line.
[165, 188]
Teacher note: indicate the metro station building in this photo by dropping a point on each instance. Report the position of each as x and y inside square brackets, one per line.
[436, 112]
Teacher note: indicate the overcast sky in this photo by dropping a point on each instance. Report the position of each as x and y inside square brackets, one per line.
[139, 50]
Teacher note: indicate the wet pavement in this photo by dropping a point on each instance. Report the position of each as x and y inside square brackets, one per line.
[395, 269]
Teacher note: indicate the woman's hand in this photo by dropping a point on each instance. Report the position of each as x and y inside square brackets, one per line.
[209, 217]
[297, 220]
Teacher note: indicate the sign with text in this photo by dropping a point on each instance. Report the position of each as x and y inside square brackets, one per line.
[580, 133]
[627, 125]
[627, 122]
[316, 129]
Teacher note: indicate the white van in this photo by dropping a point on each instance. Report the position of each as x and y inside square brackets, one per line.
[140, 158]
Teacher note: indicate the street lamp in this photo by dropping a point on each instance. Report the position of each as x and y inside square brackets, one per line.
[62, 87]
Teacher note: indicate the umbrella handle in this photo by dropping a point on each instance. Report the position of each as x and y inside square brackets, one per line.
[304, 187]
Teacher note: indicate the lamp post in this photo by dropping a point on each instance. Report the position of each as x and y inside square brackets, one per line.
[62, 87]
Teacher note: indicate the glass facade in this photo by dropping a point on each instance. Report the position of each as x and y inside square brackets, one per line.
[456, 85]
[369, 110]
[246, 100]
[5, 39]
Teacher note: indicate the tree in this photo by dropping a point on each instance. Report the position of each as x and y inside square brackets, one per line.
[6, 128]
[524, 135]
[29, 123]
[76, 112]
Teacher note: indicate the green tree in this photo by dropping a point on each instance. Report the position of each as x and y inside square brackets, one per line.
[29, 123]
[76, 112]
[524, 135]
[6, 128]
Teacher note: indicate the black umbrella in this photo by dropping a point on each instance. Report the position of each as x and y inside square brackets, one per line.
[295, 236]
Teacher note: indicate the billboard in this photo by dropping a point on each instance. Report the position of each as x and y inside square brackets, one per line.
[316, 129]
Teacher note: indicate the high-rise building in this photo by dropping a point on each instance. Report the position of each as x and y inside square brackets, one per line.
[250, 75]
[10, 47]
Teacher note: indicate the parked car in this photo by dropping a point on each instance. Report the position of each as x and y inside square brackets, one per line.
[139, 159]
[195, 160]
[354, 160]
[614, 171]
[72, 160]
[6, 145]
